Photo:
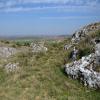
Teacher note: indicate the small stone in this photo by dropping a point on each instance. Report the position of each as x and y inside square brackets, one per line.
[38, 48]
[11, 67]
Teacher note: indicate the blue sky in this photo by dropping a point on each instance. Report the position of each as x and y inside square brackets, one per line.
[46, 17]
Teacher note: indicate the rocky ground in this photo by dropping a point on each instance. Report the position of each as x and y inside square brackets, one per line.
[6, 52]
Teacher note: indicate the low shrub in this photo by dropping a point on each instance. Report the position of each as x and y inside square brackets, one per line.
[23, 43]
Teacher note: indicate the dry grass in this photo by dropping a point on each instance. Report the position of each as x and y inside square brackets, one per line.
[41, 77]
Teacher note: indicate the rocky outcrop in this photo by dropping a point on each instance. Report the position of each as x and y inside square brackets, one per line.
[83, 32]
[67, 46]
[5, 52]
[97, 53]
[83, 70]
[11, 67]
[38, 47]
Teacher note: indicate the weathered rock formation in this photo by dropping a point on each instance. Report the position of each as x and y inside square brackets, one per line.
[83, 32]
[97, 53]
[38, 47]
[11, 67]
[67, 46]
[5, 52]
[83, 70]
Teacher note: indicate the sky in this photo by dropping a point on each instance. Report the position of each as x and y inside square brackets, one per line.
[46, 17]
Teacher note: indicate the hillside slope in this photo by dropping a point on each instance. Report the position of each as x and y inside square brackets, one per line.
[40, 76]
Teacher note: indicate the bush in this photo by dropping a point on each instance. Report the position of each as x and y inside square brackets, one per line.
[26, 44]
[84, 52]
[95, 34]
[23, 43]
[5, 41]
[98, 34]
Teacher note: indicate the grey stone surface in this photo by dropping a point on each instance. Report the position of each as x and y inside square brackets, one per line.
[11, 67]
[67, 46]
[38, 47]
[83, 32]
[97, 53]
[83, 70]
[7, 51]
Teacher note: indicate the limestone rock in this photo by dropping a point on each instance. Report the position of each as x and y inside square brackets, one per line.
[11, 67]
[5, 52]
[83, 32]
[38, 47]
[83, 70]
[67, 46]
[97, 53]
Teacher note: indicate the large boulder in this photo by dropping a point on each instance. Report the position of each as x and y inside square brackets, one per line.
[83, 70]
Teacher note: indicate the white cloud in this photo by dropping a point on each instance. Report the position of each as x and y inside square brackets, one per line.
[69, 17]
[18, 5]
[74, 2]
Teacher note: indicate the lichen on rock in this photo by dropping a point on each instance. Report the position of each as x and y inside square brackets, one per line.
[11, 67]
[38, 47]
[6, 52]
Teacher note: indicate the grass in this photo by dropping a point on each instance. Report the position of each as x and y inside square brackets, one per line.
[41, 77]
